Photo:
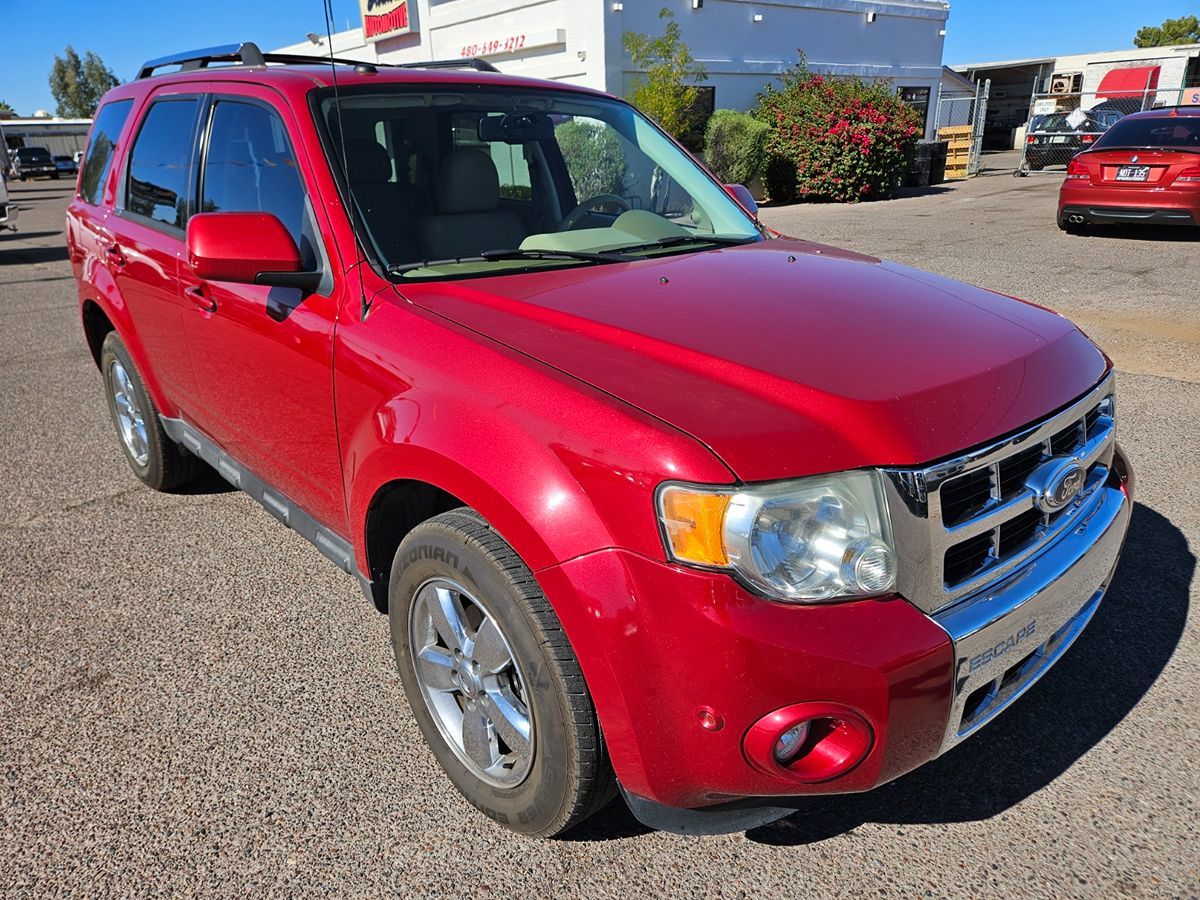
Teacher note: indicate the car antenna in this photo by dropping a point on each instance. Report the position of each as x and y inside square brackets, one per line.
[337, 104]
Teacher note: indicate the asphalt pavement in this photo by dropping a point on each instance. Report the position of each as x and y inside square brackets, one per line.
[194, 701]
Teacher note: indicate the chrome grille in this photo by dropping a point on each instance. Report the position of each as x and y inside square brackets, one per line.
[963, 523]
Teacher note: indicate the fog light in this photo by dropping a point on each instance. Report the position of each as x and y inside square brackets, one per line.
[790, 742]
[809, 742]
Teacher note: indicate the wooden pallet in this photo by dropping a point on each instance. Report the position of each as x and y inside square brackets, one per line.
[958, 153]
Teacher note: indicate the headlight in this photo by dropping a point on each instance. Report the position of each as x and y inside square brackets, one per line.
[814, 539]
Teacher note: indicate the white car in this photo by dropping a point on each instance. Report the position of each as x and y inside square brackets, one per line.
[8, 211]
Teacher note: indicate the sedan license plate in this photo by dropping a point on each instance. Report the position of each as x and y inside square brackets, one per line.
[1133, 173]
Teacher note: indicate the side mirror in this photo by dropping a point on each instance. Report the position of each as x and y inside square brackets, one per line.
[744, 198]
[246, 248]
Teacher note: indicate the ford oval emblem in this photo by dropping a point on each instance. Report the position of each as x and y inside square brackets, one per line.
[1056, 483]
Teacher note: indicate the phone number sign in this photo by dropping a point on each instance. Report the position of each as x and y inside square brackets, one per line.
[513, 43]
[497, 45]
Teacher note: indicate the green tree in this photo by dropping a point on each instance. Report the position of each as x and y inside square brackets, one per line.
[593, 156]
[1184, 30]
[78, 84]
[5, 107]
[667, 91]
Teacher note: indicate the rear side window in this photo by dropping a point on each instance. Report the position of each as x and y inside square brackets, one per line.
[249, 166]
[102, 149]
[159, 164]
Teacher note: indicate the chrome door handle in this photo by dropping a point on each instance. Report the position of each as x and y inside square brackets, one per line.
[114, 254]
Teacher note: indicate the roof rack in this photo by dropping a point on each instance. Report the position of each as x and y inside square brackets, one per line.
[248, 54]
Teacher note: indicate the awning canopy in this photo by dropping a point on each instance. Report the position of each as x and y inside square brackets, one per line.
[1131, 82]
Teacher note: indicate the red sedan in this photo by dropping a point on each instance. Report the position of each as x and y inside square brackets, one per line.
[1145, 169]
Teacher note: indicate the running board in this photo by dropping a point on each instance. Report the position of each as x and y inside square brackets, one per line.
[333, 547]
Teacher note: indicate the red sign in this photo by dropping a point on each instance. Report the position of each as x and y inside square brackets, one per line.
[385, 18]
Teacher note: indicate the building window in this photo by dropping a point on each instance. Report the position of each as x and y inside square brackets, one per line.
[918, 99]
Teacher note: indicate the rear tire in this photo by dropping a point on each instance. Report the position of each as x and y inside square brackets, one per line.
[156, 460]
[540, 785]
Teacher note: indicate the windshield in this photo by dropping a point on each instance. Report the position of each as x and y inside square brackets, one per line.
[1166, 132]
[456, 183]
[29, 154]
[1066, 123]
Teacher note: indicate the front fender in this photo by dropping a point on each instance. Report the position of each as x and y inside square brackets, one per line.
[557, 468]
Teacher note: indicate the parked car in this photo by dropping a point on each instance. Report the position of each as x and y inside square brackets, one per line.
[1054, 139]
[653, 498]
[1144, 170]
[8, 209]
[65, 165]
[33, 162]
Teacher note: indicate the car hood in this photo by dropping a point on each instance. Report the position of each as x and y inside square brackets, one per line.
[789, 358]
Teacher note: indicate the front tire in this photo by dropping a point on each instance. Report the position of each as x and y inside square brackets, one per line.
[491, 679]
[156, 460]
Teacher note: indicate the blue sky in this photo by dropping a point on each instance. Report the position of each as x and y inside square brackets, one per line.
[127, 32]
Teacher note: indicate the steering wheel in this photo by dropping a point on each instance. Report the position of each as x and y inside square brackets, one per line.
[572, 218]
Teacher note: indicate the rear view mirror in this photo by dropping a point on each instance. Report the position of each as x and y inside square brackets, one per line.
[516, 128]
[246, 248]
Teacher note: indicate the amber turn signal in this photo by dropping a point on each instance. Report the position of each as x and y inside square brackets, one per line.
[694, 523]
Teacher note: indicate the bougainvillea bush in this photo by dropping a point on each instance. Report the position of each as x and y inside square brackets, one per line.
[835, 139]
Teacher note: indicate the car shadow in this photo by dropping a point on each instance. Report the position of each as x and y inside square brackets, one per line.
[1089, 692]
[32, 255]
[30, 235]
[1063, 716]
[208, 481]
[1160, 233]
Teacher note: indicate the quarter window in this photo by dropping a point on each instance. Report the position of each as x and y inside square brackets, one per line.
[250, 167]
[103, 147]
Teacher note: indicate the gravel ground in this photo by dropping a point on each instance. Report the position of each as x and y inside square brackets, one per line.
[193, 701]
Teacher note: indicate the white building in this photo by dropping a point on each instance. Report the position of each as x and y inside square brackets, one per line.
[743, 45]
[1170, 74]
[61, 137]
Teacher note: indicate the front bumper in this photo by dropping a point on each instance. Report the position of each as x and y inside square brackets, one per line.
[1010, 634]
[669, 653]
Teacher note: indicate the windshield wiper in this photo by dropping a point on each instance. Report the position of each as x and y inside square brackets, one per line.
[677, 240]
[534, 253]
[506, 254]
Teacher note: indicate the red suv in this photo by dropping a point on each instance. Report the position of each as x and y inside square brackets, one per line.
[653, 499]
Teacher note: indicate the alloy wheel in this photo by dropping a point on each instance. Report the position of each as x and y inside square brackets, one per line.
[471, 682]
[131, 421]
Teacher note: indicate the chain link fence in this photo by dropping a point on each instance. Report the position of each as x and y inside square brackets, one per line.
[1062, 124]
[960, 120]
